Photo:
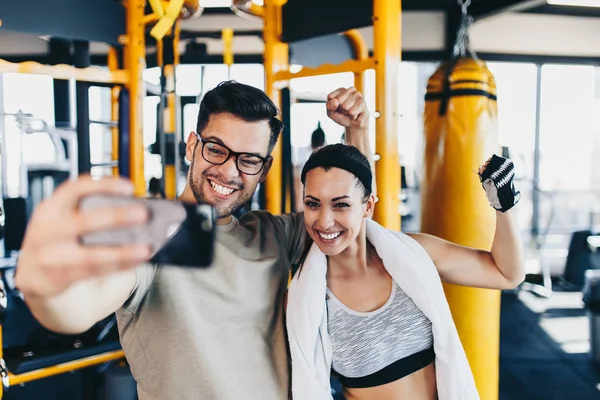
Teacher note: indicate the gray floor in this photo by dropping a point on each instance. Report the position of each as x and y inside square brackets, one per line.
[544, 347]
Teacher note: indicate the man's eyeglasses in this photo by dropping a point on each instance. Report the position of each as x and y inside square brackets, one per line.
[218, 154]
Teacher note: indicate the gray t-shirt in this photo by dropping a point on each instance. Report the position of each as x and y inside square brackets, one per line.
[216, 333]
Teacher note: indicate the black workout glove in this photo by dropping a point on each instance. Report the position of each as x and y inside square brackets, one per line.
[497, 180]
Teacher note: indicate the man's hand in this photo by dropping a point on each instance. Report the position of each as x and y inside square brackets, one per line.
[52, 257]
[348, 108]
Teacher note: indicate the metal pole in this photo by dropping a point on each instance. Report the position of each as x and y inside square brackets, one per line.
[159, 137]
[60, 51]
[287, 176]
[387, 44]
[135, 63]
[160, 126]
[169, 159]
[81, 59]
[176, 109]
[124, 143]
[535, 194]
[276, 58]
[113, 65]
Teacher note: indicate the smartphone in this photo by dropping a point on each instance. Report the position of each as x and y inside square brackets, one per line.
[180, 234]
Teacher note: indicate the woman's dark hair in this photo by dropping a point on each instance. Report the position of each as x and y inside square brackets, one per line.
[243, 101]
[344, 155]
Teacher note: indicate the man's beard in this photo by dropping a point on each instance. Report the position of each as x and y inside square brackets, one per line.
[197, 186]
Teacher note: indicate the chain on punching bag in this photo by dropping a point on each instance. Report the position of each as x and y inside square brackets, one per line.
[460, 127]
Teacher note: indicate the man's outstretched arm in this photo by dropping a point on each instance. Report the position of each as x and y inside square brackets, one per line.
[68, 286]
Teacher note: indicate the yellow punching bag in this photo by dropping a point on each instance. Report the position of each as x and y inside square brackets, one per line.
[460, 127]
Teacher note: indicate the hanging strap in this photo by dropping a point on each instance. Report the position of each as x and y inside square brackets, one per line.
[460, 49]
[462, 46]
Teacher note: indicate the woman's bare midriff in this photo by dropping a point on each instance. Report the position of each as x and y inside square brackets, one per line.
[420, 385]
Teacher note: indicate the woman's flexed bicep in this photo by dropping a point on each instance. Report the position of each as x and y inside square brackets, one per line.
[465, 266]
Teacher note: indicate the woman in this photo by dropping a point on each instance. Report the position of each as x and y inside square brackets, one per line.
[384, 326]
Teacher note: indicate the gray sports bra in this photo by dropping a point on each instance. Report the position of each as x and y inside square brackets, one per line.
[381, 346]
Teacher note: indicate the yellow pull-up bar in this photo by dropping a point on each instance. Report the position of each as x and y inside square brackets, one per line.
[167, 20]
[227, 36]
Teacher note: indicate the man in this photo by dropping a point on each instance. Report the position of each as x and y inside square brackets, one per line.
[214, 333]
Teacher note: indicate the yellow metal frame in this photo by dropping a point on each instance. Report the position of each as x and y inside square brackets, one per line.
[135, 63]
[170, 111]
[256, 10]
[361, 53]
[387, 48]
[385, 62]
[355, 66]
[65, 367]
[170, 177]
[176, 41]
[173, 107]
[113, 65]
[276, 59]
[62, 71]
[170, 117]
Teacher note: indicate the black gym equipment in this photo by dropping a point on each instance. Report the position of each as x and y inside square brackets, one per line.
[38, 181]
[583, 255]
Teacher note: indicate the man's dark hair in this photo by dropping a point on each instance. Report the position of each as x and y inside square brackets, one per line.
[243, 101]
[317, 138]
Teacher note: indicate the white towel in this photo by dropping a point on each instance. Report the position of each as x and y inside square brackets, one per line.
[413, 270]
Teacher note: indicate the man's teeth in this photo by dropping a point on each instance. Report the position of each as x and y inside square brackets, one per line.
[225, 191]
[329, 236]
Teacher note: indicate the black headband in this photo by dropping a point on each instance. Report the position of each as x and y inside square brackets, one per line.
[322, 159]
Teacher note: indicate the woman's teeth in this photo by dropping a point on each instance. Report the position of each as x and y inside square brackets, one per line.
[225, 191]
[329, 236]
